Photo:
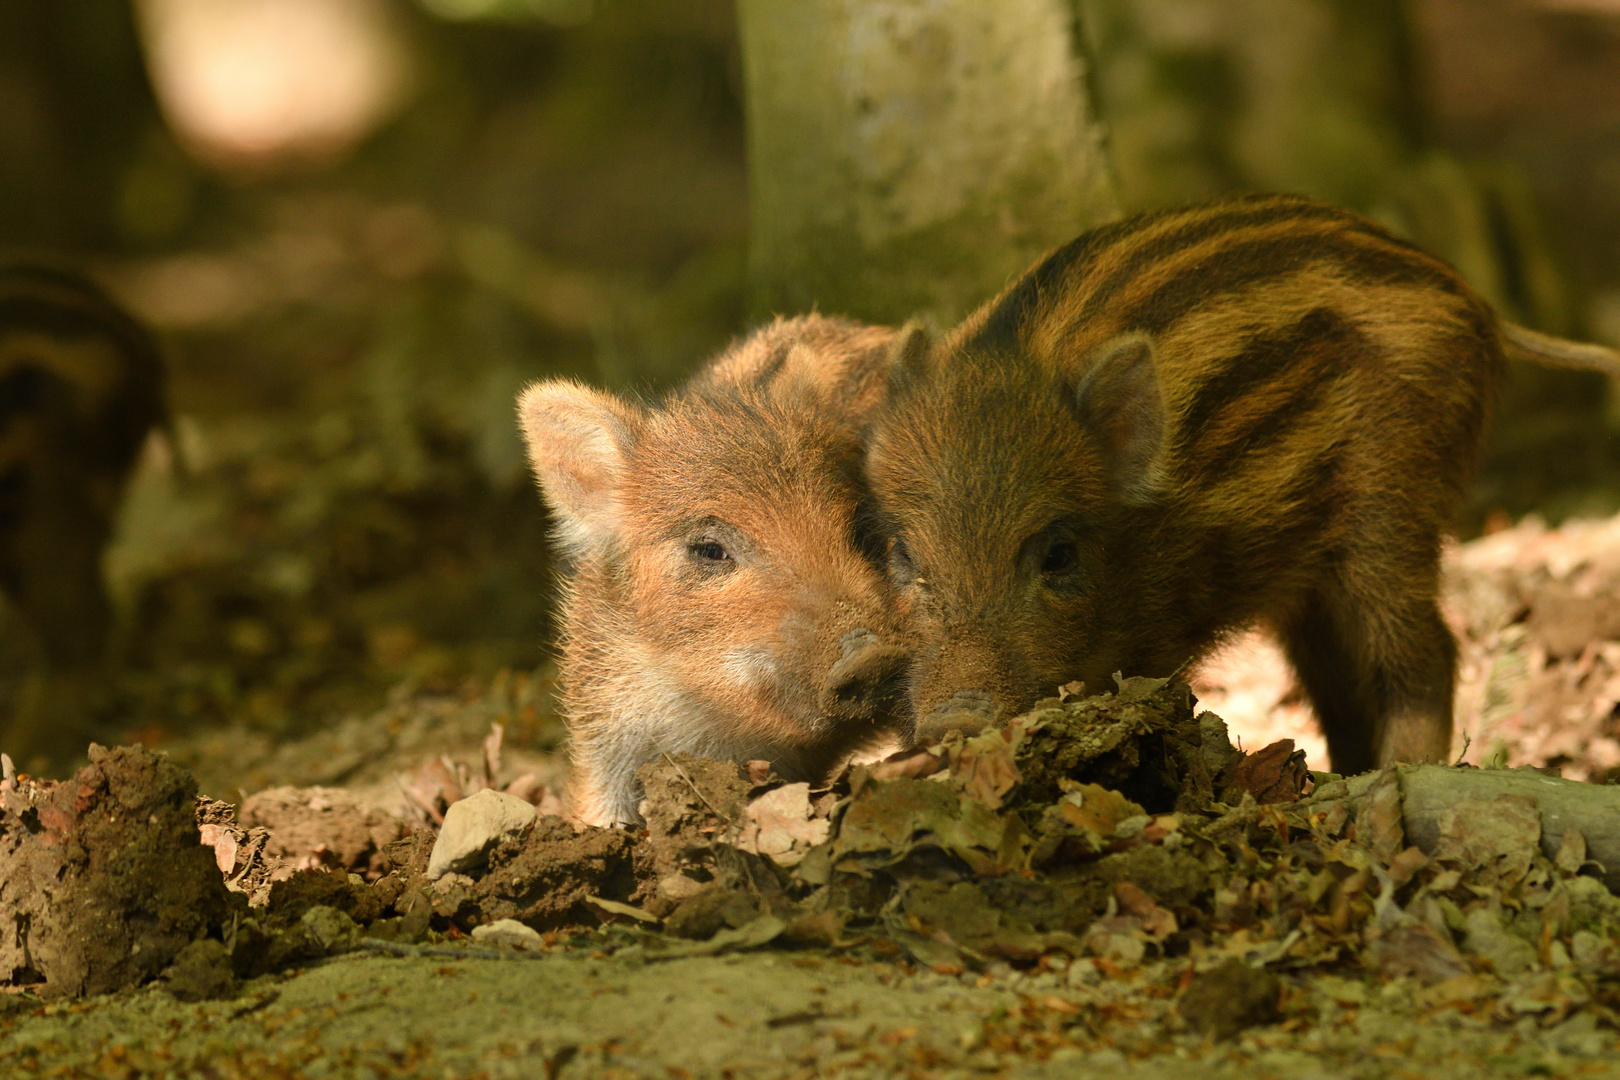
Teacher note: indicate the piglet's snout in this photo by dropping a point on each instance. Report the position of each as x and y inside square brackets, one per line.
[866, 682]
[967, 711]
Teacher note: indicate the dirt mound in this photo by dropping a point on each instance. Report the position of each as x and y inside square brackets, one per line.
[320, 826]
[104, 880]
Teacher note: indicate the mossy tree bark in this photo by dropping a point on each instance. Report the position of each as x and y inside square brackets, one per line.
[76, 114]
[1425, 792]
[906, 157]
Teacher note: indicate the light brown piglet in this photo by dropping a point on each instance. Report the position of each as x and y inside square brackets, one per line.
[723, 598]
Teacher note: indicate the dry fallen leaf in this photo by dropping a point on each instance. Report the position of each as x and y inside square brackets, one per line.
[782, 825]
[1378, 820]
[223, 840]
[1094, 807]
[907, 765]
[984, 769]
[1571, 851]
[890, 819]
[1157, 923]
[1416, 949]
[1274, 774]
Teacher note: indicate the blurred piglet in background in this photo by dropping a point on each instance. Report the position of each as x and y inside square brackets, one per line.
[81, 386]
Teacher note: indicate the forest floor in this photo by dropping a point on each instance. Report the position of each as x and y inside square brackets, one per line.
[1536, 613]
[581, 1014]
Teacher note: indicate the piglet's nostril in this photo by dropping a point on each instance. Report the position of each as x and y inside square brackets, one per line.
[967, 711]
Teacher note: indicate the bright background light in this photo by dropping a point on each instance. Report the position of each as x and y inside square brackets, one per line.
[257, 82]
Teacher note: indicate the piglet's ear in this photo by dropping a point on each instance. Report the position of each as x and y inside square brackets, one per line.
[578, 439]
[1120, 405]
[910, 355]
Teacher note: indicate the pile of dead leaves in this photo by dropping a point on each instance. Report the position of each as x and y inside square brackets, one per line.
[1119, 831]
[1101, 835]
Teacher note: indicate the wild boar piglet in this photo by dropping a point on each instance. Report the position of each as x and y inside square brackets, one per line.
[81, 387]
[1262, 410]
[724, 596]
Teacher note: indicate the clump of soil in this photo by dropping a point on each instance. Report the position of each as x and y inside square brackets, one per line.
[1142, 742]
[693, 808]
[105, 880]
[545, 878]
[320, 826]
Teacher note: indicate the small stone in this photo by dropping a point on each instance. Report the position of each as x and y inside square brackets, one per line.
[677, 887]
[473, 826]
[1083, 972]
[1228, 999]
[508, 934]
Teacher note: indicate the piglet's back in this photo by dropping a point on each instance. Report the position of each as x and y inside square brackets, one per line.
[840, 364]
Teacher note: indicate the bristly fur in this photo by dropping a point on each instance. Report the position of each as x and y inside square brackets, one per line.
[81, 386]
[786, 650]
[1303, 434]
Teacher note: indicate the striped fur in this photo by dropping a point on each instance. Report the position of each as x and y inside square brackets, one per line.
[785, 648]
[1262, 410]
[81, 385]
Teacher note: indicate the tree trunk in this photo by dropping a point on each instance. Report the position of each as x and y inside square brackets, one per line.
[75, 109]
[907, 157]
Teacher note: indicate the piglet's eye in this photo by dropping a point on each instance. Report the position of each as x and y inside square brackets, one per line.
[1060, 556]
[708, 549]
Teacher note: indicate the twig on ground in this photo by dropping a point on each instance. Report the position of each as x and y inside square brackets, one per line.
[1463, 753]
[693, 785]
